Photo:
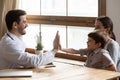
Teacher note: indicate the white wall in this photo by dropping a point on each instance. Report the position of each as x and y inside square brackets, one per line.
[113, 11]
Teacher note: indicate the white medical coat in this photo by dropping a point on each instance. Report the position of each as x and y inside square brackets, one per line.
[13, 55]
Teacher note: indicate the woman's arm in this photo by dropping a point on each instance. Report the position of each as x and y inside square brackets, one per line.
[113, 49]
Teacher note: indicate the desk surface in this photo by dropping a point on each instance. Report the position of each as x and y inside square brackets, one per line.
[68, 70]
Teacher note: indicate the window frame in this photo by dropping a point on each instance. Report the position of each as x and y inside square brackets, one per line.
[66, 20]
[69, 21]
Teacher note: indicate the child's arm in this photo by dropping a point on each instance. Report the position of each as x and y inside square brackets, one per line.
[111, 68]
[70, 50]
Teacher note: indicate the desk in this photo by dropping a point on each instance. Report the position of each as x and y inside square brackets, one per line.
[68, 70]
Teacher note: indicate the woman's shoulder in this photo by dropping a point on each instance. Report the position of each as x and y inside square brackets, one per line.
[113, 42]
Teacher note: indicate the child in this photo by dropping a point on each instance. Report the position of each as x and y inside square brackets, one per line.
[97, 57]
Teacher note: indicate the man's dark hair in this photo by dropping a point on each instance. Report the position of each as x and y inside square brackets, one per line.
[13, 16]
[99, 37]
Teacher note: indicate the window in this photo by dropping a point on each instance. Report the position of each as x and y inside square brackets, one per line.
[74, 19]
[87, 8]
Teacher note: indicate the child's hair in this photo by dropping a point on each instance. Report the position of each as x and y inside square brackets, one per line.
[99, 37]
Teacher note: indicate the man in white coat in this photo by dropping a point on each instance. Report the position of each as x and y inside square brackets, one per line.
[12, 48]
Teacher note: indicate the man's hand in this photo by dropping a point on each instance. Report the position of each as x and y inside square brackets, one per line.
[56, 42]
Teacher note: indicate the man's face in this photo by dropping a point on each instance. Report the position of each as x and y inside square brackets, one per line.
[22, 25]
[91, 45]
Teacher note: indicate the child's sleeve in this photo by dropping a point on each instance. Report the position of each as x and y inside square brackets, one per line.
[106, 59]
[84, 52]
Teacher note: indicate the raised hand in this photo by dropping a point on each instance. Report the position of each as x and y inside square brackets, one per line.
[56, 42]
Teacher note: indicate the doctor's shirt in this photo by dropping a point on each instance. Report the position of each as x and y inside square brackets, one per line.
[13, 55]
